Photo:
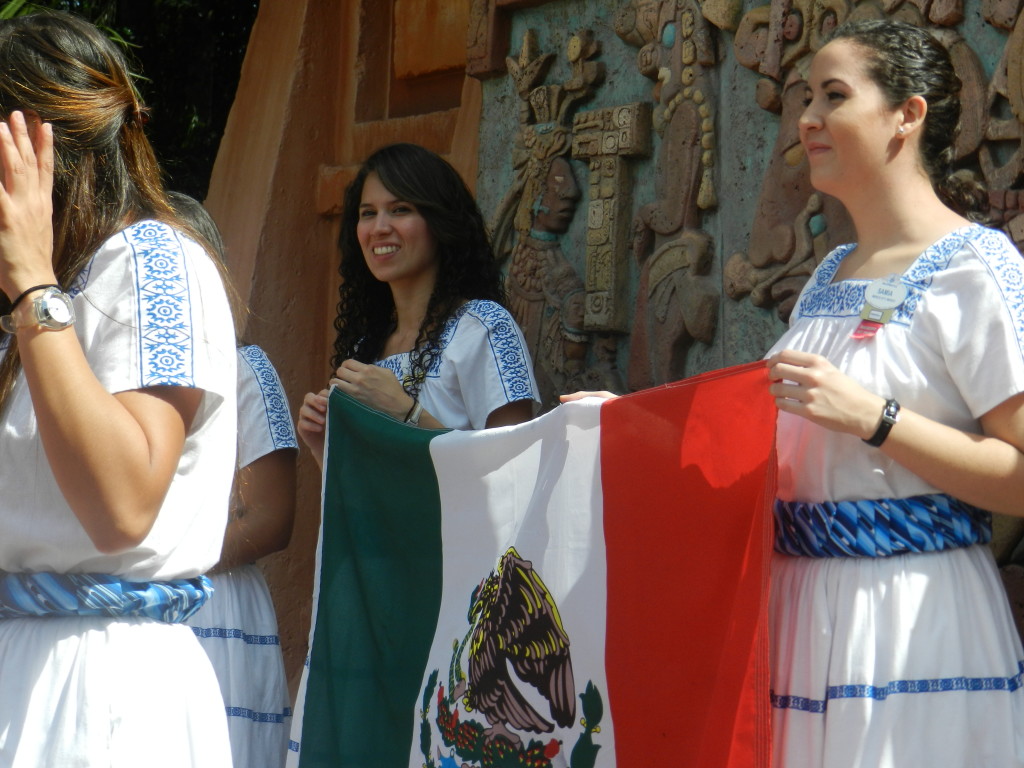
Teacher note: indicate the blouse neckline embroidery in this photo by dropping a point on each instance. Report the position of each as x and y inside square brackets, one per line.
[845, 298]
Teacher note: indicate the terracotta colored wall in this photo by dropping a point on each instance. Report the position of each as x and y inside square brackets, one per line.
[263, 196]
[320, 89]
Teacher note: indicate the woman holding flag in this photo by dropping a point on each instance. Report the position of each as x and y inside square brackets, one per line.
[900, 386]
[422, 332]
[423, 335]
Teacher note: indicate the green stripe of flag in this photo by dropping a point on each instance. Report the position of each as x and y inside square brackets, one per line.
[377, 540]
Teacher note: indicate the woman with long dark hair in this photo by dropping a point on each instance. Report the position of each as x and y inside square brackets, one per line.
[422, 331]
[117, 410]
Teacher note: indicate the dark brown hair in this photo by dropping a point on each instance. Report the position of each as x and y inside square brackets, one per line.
[905, 61]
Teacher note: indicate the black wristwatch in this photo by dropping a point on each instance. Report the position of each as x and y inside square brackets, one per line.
[51, 310]
[890, 415]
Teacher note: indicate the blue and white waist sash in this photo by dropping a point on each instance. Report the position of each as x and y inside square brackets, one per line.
[879, 527]
[91, 594]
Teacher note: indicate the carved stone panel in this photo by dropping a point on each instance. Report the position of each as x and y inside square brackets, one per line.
[606, 139]
[676, 301]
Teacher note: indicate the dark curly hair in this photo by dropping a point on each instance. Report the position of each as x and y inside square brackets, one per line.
[467, 268]
[905, 61]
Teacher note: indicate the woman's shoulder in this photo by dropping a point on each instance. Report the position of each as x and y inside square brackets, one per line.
[994, 248]
[485, 310]
[148, 247]
[256, 370]
[154, 236]
[987, 253]
[488, 317]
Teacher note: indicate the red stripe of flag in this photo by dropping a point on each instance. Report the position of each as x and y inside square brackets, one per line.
[688, 479]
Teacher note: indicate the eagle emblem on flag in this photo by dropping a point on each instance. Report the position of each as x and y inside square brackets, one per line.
[516, 639]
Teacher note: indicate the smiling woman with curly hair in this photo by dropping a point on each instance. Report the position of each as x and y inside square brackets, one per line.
[422, 331]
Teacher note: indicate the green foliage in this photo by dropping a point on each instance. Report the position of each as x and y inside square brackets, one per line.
[593, 705]
[428, 694]
[13, 8]
[187, 57]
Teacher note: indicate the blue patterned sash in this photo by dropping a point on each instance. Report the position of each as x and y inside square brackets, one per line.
[92, 594]
[879, 527]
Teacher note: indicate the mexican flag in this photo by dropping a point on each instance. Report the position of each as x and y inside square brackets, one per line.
[587, 589]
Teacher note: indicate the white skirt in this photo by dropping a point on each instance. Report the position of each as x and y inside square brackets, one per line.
[238, 630]
[88, 692]
[896, 662]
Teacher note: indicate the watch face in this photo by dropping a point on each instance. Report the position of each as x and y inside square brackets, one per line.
[53, 310]
[57, 310]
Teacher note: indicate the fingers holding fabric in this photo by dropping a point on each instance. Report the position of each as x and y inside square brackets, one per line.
[810, 386]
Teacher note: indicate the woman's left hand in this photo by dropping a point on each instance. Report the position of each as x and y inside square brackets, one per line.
[374, 386]
[26, 204]
[808, 385]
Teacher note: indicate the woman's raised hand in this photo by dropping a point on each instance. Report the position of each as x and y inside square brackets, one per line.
[373, 386]
[26, 203]
[808, 385]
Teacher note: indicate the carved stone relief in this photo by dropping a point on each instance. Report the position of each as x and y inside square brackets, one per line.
[546, 295]
[677, 300]
[607, 139]
[488, 33]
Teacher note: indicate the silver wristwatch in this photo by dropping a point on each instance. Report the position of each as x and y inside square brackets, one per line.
[51, 310]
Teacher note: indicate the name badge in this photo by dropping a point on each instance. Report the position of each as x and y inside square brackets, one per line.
[881, 298]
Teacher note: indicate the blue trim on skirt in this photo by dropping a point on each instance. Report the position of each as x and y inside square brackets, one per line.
[1009, 684]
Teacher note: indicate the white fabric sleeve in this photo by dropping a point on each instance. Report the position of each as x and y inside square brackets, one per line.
[491, 361]
[976, 308]
[264, 420]
[152, 311]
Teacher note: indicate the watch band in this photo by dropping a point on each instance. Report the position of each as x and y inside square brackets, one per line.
[27, 291]
[890, 415]
[413, 417]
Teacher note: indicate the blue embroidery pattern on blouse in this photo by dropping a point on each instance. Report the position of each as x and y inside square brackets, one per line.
[882, 692]
[279, 418]
[505, 345]
[846, 298]
[165, 312]
[1007, 267]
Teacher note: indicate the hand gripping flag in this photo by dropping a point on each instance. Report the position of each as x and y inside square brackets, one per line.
[587, 589]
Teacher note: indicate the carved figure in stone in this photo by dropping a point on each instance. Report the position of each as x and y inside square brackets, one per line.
[1001, 157]
[793, 226]
[546, 294]
[676, 300]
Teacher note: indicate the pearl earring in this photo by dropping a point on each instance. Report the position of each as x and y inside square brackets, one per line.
[900, 131]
